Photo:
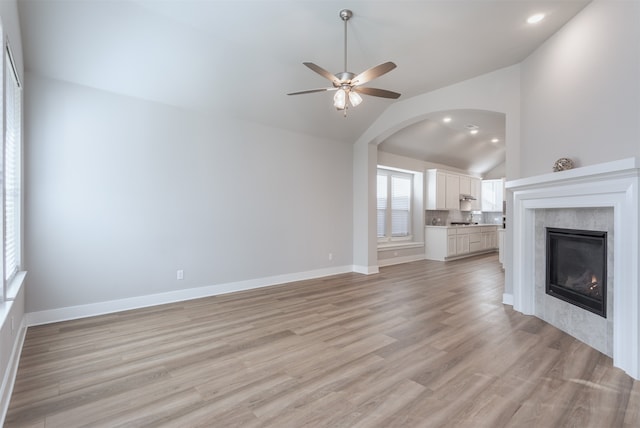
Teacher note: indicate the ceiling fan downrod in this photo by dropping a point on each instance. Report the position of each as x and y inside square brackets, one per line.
[345, 14]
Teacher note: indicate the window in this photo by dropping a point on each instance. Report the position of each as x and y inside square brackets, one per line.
[11, 167]
[395, 192]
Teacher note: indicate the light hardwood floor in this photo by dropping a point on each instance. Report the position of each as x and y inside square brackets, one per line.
[423, 344]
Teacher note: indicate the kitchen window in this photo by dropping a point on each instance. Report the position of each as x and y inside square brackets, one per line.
[394, 196]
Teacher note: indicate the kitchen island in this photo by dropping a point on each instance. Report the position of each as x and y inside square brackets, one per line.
[457, 241]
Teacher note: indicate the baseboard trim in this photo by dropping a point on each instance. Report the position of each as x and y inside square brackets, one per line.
[507, 299]
[365, 270]
[400, 260]
[9, 378]
[101, 308]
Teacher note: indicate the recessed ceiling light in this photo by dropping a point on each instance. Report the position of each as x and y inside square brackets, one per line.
[446, 119]
[473, 131]
[534, 19]
[495, 140]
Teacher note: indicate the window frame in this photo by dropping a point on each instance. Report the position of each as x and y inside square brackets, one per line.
[12, 276]
[388, 238]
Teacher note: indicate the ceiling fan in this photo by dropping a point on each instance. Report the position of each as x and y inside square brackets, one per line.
[347, 84]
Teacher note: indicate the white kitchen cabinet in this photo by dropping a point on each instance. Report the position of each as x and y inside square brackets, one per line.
[453, 192]
[476, 192]
[444, 188]
[475, 242]
[452, 249]
[492, 195]
[451, 242]
[462, 244]
[436, 190]
[465, 185]
[489, 237]
[441, 191]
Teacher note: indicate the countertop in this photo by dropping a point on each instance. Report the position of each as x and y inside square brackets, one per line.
[446, 226]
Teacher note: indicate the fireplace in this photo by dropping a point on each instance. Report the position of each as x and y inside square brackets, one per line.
[613, 186]
[577, 268]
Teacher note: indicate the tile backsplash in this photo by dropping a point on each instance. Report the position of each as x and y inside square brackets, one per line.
[445, 217]
[492, 217]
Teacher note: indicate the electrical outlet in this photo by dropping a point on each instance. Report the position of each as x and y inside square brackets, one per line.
[179, 274]
[330, 256]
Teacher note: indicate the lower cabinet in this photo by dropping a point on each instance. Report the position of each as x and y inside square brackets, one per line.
[444, 243]
[452, 247]
[462, 244]
[490, 238]
[475, 242]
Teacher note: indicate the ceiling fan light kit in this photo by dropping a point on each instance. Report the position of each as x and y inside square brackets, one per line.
[348, 85]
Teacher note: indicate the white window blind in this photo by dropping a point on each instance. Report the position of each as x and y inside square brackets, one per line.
[395, 193]
[11, 169]
[400, 205]
[382, 205]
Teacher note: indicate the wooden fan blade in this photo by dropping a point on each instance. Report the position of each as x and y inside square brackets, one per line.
[376, 92]
[310, 91]
[322, 72]
[372, 73]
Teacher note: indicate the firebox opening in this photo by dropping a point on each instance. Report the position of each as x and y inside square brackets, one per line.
[577, 268]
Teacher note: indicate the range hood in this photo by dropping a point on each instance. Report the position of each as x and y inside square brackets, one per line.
[467, 197]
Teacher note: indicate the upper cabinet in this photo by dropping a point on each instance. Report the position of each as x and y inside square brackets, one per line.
[492, 195]
[453, 192]
[439, 188]
[445, 187]
[476, 192]
[465, 185]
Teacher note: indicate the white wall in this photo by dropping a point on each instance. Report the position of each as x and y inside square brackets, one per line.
[365, 162]
[123, 192]
[581, 90]
[499, 171]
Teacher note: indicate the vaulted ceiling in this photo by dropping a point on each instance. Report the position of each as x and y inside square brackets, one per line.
[241, 58]
[446, 137]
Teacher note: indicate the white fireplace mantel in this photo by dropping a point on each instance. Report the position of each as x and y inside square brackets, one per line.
[612, 184]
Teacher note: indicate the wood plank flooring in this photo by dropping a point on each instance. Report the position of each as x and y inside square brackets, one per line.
[422, 344]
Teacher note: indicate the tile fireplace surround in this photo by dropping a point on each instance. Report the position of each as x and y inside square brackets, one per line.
[612, 185]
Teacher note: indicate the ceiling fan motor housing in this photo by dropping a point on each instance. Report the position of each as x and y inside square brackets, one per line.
[343, 77]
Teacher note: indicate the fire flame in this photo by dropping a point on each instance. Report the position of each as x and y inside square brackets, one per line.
[594, 282]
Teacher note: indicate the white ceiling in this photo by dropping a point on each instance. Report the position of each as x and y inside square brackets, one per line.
[241, 58]
[452, 143]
